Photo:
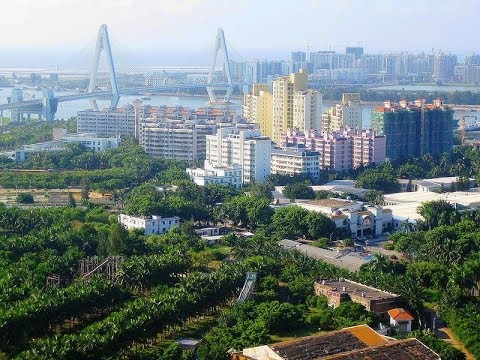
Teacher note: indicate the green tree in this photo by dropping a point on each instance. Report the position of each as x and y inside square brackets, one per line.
[377, 180]
[118, 240]
[24, 198]
[71, 200]
[299, 191]
[436, 212]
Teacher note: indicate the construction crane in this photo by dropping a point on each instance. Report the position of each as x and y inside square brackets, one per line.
[464, 125]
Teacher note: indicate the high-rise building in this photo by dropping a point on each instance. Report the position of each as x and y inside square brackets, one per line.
[175, 139]
[468, 74]
[257, 108]
[307, 110]
[291, 105]
[107, 122]
[322, 60]
[443, 66]
[283, 92]
[240, 146]
[299, 56]
[122, 121]
[347, 114]
[472, 59]
[356, 51]
[414, 129]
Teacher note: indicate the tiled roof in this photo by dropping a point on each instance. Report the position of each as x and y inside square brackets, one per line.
[400, 314]
[406, 349]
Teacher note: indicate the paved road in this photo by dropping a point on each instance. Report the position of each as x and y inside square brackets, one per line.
[446, 334]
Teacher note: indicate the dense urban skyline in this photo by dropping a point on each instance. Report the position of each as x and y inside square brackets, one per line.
[272, 29]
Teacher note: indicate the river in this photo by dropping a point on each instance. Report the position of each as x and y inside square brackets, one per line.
[69, 109]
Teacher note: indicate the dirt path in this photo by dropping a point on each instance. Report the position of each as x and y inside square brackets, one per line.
[447, 335]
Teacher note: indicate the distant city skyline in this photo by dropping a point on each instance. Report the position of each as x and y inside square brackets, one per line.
[152, 32]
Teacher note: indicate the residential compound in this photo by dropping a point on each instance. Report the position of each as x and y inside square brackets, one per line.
[296, 160]
[414, 129]
[108, 122]
[469, 71]
[340, 150]
[243, 146]
[356, 66]
[170, 132]
[175, 139]
[346, 114]
[289, 105]
[60, 140]
[123, 121]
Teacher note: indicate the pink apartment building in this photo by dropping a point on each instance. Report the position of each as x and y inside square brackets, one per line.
[341, 150]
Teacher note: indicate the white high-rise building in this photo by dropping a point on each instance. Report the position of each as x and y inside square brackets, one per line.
[240, 146]
[307, 110]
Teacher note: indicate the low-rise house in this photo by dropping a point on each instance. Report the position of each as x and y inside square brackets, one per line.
[61, 139]
[154, 224]
[211, 235]
[361, 219]
[231, 175]
[374, 300]
[401, 319]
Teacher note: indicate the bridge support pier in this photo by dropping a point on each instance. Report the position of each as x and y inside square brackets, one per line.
[50, 105]
[103, 44]
[220, 45]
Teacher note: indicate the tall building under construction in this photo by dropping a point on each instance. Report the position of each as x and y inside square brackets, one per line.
[414, 129]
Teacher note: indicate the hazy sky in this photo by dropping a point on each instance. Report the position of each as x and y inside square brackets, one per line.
[252, 27]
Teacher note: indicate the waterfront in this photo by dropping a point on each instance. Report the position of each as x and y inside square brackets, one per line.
[429, 87]
[67, 110]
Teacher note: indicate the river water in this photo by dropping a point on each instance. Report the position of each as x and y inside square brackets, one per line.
[69, 109]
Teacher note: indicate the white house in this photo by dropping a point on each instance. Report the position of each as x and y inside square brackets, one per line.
[401, 319]
[216, 175]
[151, 225]
[361, 219]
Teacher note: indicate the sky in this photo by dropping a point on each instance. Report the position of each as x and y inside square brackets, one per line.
[181, 32]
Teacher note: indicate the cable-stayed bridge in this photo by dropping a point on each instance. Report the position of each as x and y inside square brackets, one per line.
[219, 86]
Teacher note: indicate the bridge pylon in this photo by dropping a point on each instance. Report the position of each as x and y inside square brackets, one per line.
[103, 45]
[220, 45]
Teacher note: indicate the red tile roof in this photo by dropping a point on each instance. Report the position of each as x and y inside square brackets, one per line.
[400, 314]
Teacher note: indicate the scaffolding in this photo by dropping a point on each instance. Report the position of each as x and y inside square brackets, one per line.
[97, 266]
[56, 281]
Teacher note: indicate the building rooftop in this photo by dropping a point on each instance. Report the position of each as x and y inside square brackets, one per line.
[404, 205]
[344, 286]
[294, 151]
[398, 350]
[330, 203]
[344, 260]
[322, 345]
[354, 343]
[400, 314]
